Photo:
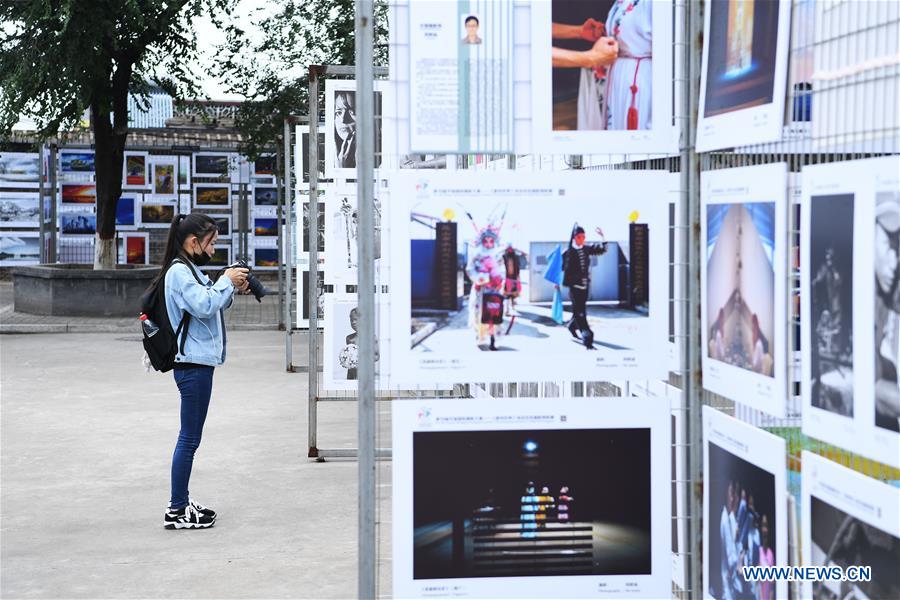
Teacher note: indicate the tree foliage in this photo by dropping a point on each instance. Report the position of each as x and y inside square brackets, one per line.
[268, 62]
[59, 58]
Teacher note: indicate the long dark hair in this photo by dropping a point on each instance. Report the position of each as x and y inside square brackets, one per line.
[183, 226]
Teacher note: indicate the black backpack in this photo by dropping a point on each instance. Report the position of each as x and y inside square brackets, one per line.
[163, 346]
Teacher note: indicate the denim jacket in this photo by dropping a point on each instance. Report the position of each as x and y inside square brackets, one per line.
[205, 344]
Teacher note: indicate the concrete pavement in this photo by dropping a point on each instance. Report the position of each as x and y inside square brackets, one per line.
[87, 439]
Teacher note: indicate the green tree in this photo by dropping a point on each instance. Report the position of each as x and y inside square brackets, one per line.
[59, 58]
[268, 61]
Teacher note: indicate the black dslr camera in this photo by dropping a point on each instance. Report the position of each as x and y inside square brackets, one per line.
[256, 286]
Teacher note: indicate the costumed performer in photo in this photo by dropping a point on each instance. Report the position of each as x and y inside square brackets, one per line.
[484, 269]
[345, 129]
[577, 277]
[512, 288]
[630, 78]
[887, 313]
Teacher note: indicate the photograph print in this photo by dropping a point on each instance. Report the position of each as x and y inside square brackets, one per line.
[745, 53]
[135, 170]
[321, 229]
[742, 283]
[19, 169]
[265, 258]
[342, 234]
[525, 490]
[503, 271]
[887, 309]
[212, 195]
[830, 322]
[125, 214]
[19, 211]
[136, 248]
[78, 223]
[164, 179]
[602, 66]
[849, 519]
[341, 349]
[744, 499]
[507, 504]
[340, 128]
[302, 156]
[19, 249]
[265, 227]
[81, 161]
[79, 193]
[265, 196]
[211, 165]
[740, 250]
[157, 215]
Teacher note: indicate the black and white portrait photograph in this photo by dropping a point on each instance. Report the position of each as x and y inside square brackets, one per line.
[887, 310]
[340, 128]
[831, 297]
[342, 235]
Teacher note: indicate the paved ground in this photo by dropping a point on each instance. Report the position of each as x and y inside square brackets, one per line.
[85, 441]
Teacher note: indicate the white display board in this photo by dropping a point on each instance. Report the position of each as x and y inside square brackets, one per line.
[626, 295]
[850, 231]
[407, 113]
[745, 502]
[849, 519]
[461, 65]
[743, 275]
[620, 103]
[744, 76]
[481, 488]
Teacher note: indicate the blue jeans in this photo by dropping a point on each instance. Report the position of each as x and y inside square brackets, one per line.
[195, 385]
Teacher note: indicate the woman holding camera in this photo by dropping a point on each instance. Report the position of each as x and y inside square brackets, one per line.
[192, 239]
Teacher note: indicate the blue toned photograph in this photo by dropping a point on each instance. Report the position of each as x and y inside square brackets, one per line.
[740, 292]
[78, 223]
[125, 211]
[76, 162]
[741, 62]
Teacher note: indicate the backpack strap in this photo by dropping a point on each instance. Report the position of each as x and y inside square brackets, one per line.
[186, 319]
[190, 268]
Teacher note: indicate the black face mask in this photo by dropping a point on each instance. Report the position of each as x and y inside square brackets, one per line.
[202, 260]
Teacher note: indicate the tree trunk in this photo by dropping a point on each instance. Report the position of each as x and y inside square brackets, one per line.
[109, 155]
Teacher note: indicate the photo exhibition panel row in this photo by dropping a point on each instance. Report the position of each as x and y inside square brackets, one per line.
[498, 499]
[155, 188]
